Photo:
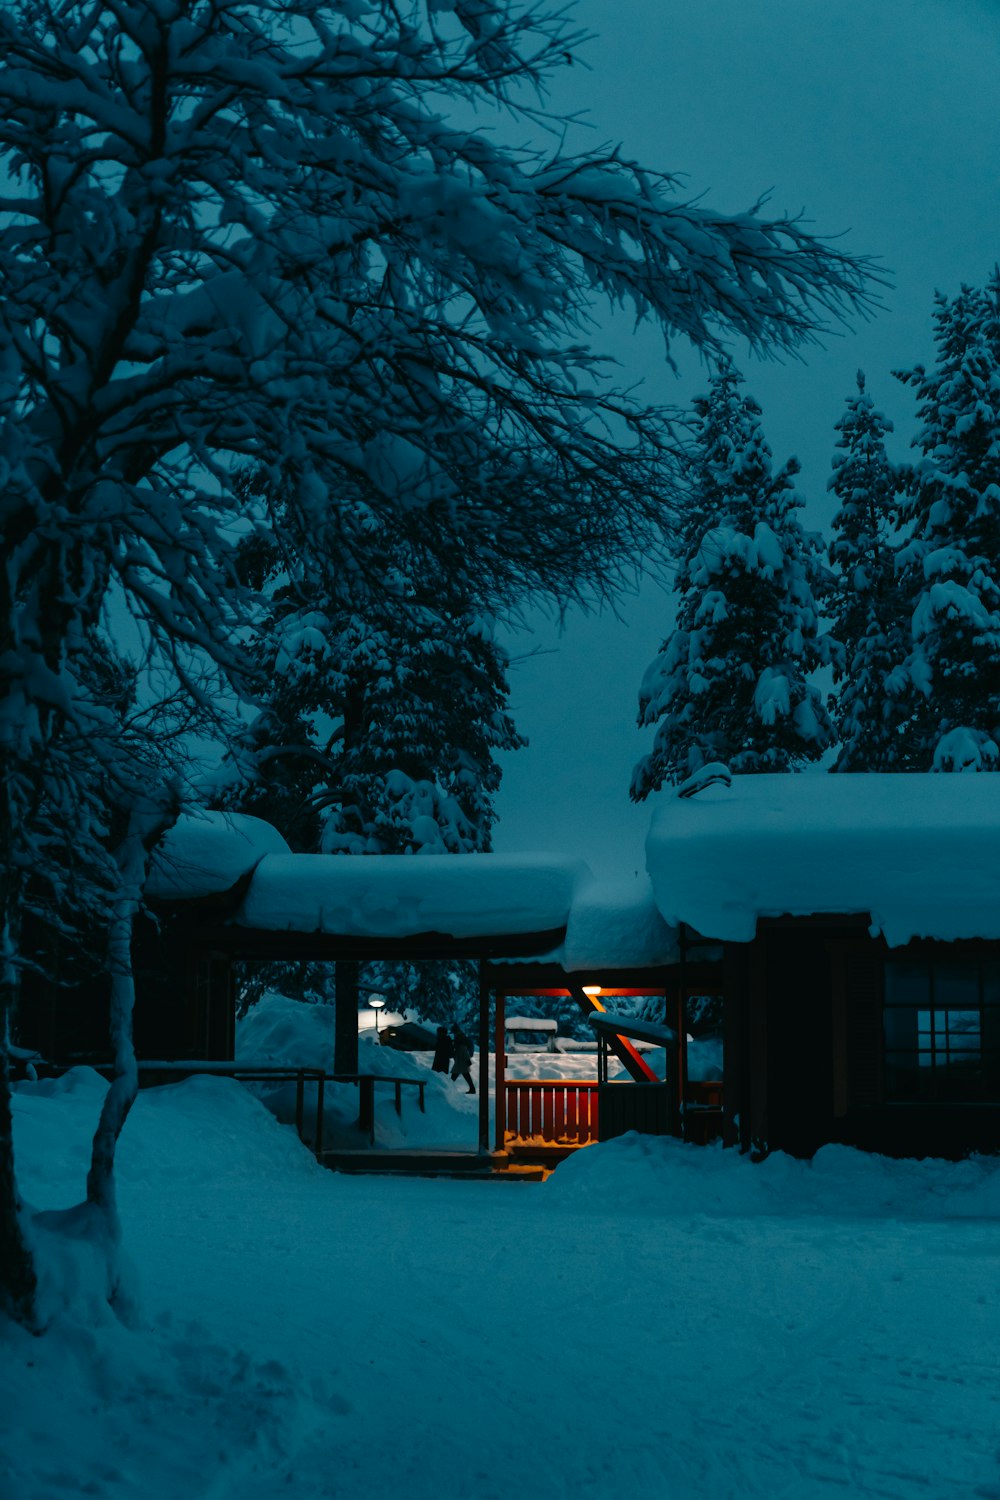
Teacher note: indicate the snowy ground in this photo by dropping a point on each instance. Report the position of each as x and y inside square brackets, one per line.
[653, 1319]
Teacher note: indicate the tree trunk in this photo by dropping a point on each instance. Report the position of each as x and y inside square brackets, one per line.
[345, 1035]
[145, 827]
[18, 1280]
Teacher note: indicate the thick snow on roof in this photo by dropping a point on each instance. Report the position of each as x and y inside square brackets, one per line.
[401, 895]
[919, 853]
[617, 926]
[206, 853]
[613, 925]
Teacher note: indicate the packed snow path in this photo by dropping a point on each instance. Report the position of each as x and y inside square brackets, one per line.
[654, 1319]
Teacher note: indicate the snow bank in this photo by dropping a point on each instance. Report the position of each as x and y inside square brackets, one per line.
[169, 1406]
[295, 1034]
[399, 895]
[644, 1174]
[196, 1131]
[920, 854]
[207, 853]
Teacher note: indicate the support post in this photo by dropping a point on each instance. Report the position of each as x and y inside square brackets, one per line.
[320, 1103]
[680, 1049]
[759, 1130]
[345, 1020]
[500, 1076]
[366, 1105]
[484, 1059]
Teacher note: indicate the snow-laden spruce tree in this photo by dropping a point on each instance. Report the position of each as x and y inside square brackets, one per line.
[278, 232]
[731, 682]
[951, 560]
[867, 603]
[383, 713]
[379, 734]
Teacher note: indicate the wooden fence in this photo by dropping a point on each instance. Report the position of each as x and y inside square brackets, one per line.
[560, 1110]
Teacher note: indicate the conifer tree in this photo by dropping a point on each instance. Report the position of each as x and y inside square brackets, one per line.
[731, 682]
[386, 710]
[951, 560]
[870, 619]
[386, 713]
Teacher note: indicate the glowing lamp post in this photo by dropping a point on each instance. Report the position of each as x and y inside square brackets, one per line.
[377, 1002]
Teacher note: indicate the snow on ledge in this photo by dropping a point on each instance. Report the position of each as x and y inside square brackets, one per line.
[612, 925]
[919, 854]
[206, 853]
[617, 926]
[403, 895]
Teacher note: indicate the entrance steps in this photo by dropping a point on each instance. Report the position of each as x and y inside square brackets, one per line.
[470, 1165]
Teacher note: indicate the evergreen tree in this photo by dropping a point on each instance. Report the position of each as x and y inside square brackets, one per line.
[379, 734]
[870, 619]
[951, 561]
[383, 714]
[731, 682]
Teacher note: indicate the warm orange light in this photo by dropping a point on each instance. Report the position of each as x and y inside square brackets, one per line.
[592, 989]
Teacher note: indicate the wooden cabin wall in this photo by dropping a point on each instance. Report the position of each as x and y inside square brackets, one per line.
[798, 996]
[185, 1005]
[64, 1004]
[805, 1061]
[864, 1116]
[778, 1041]
[65, 1022]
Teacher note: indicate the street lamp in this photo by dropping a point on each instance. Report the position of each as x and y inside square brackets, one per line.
[377, 1002]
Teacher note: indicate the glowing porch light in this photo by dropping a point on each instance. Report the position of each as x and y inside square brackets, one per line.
[376, 1003]
[592, 989]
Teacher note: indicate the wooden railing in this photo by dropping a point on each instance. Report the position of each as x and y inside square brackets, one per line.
[560, 1110]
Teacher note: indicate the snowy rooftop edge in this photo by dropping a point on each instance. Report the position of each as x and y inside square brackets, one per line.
[399, 895]
[612, 925]
[917, 853]
[206, 853]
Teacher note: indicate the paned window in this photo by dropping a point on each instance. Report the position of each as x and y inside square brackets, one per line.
[942, 1030]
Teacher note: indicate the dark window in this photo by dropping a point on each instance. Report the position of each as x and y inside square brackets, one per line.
[942, 1030]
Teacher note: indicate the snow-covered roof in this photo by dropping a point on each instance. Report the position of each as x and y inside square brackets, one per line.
[401, 895]
[613, 925]
[617, 926]
[919, 854]
[206, 853]
[462, 896]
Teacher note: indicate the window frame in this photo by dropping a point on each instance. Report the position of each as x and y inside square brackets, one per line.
[932, 1021]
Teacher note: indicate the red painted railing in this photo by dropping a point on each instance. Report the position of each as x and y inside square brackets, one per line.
[560, 1110]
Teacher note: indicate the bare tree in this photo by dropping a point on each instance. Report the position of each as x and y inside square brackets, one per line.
[238, 232]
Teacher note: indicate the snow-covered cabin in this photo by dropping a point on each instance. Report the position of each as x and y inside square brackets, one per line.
[848, 928]
[860, 917]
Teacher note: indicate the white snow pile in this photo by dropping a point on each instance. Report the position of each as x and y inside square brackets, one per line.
[206, 853]
[163, 1407]
[400, 895]
[292, 1033]
[643, 1174]
[614, 925]
[814, 1331]
[918, 853]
